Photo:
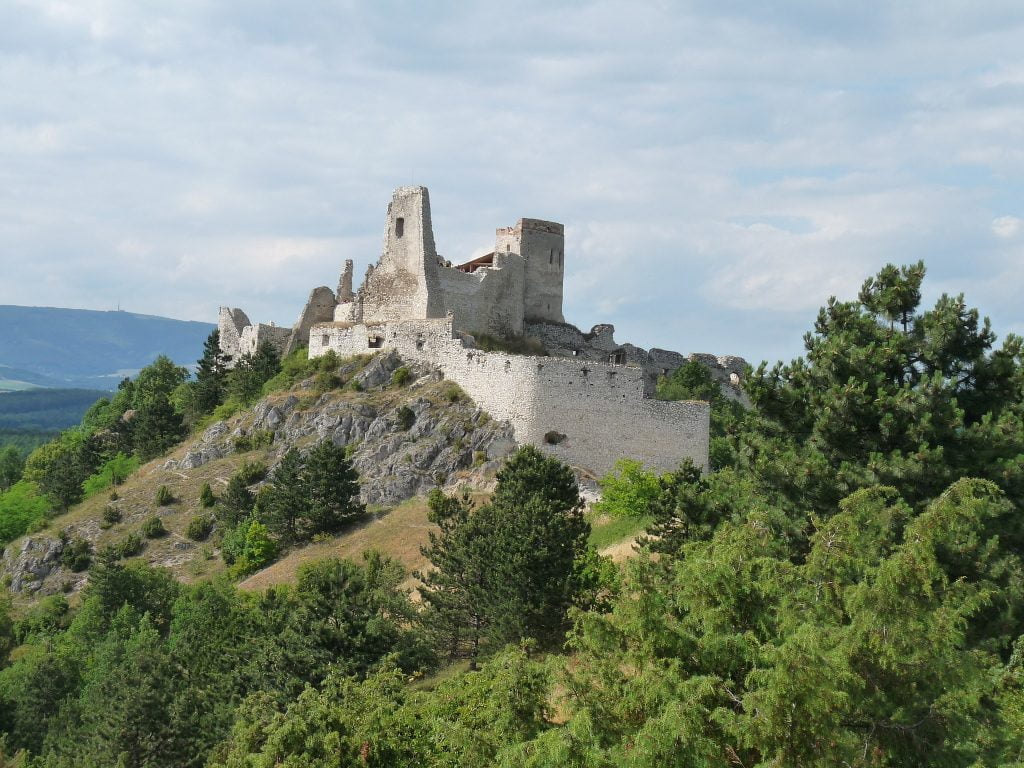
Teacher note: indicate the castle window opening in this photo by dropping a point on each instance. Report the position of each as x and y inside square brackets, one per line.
[560, 253]
[325, 340]
[617, 358]
[399, 226]
[375, 342]
[551, 256]
[508, 248]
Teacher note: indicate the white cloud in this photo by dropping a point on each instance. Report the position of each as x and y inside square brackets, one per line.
[1006, 226]
[721, 168]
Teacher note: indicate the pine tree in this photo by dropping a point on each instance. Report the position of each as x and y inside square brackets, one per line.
[507, 570]
[284, 503]
[11, 466]
[332, 489]
[211, 375]
[236, 503]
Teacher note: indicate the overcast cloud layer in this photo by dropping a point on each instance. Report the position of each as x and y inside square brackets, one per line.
[720, 170]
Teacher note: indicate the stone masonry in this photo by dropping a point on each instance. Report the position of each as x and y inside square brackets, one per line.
[589, 401]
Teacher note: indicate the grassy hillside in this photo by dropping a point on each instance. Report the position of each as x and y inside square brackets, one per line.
[46, 346]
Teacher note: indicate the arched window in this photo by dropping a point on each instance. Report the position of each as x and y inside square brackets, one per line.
[399, 227]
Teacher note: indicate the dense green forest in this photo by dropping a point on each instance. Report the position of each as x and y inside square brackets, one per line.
[46, 410]
[845, 587]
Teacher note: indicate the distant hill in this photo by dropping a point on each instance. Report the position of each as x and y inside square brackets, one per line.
[45, 410]
[80, 348]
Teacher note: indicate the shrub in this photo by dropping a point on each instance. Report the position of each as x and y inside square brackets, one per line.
[128, 546]
[131, 544]
[199, 527]
[22, 508]
[325, 381]
[513, 344]
[252, 472]
[401, 376]
[77, 554]
[260, 438]
[111, 514]
[153, 528]
[164, 496]
[553, 437]
[114, 496]
[248, 547]
[206, 497]
[452, 392]
[113, 472]
[405, 418]
[356, 385]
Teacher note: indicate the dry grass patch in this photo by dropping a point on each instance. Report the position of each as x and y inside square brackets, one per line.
[398, 533]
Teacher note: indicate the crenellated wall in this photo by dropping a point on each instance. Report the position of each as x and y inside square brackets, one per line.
[597, 413]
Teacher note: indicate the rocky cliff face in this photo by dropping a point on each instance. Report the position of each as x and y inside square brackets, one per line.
[404, 441]
[401, 446]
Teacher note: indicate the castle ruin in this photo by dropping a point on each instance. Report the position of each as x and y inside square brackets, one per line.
[589, 401]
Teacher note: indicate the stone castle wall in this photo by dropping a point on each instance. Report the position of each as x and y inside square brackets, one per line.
[600, 409]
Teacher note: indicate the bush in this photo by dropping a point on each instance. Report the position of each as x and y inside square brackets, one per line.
[452, 392]
[260, 438]
[405, 418]
[113, 472]
[252, 472]
[131, 544]
[77, 554]
[153, 528]
[553, 437]
[164, 496]
[22, 508]
[111, 514]
[401, 376]
[206, 497]
[199, 527]
[513, 344]
[248, 547]
[325, 381]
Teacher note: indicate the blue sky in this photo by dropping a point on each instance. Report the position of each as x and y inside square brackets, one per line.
[721, 167]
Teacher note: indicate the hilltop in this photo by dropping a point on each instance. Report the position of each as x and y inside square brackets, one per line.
[56, 347]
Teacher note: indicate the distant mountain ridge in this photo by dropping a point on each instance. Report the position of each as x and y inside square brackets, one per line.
[82, 348]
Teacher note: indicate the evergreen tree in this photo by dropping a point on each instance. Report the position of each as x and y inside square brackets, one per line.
[332, 489]
[458, 588]
[211, 375]
[11, 466]
[236, 503]
[284, 503]
[507, 570]
[245, 381]
[156, 425]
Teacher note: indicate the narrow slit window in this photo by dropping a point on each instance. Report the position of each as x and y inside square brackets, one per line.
[560, 259]
[551, 256]
[399, 227]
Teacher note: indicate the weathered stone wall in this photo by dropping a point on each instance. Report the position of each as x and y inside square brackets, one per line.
[489, 300]
[404, 282]
[230, 324]
[542, 244]
[600, 409]
[565, 340]
[319, 309]
[254, 335]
